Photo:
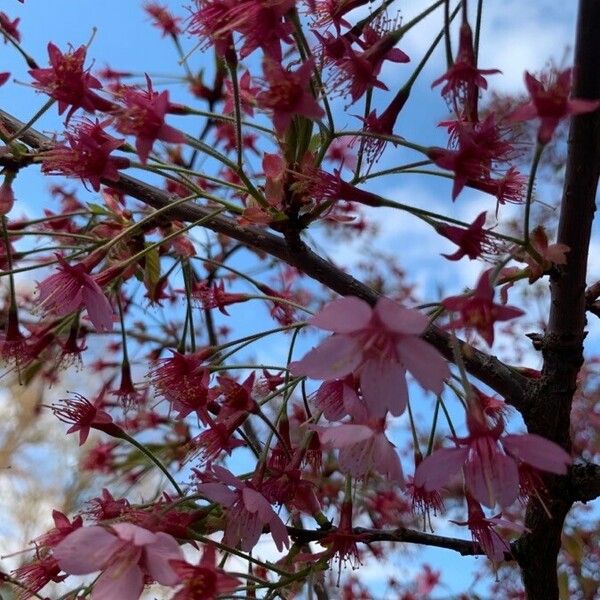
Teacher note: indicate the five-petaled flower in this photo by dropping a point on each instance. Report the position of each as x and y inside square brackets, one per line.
[73, 288]
[67, 82]
[205, 580]
[247, 510]
[125, 553]
[478, 310]
[143, 115]
[490, 461]
[289, 94]
[87, 155]
[550, 102]
[380, 344]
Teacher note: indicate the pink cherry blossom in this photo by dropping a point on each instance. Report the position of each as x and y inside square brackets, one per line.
[71, 289]
[550, 102]
[125, 554]
[247, 511]
[478, 310]
[483, 530]
[380, 344]
[490, 461]
[363, 448]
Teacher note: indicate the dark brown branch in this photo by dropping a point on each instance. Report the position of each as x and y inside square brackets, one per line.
[562, 347]
[506, 381]
[401, 534]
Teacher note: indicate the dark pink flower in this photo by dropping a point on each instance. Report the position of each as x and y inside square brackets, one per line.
[478, 310]
[163, 19]
[247, 94]
[380, 344]
[248, 511]
[550, 102]
[211, 22]
[463, 77]
[4, 76]
[87, 155]
[125, 554]
[68, 83]
[183, 380]
[36, 574]
[72, 289]
[62, 528]
[490, 461]
[289, 94]
[483, 531]
[262, 25]
[9, 27]
[204, 581]
[144, 116]
[471, 241]
[83, 416]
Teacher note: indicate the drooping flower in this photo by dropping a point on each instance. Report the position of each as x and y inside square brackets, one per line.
[490, 461]
[87, 155]
[247, 93]
[262, 25]
[211, 22]
[204, 581]
[125, 554]
[478, 310]
[83, 416]
[62, 528]
[463, 78]
[183, 380]
[289, 94]
[363, 448]
[476, 148]
[36, 574]
[247, 511]
[550, 102]
[471, 241]
[73, 288]
[67, 82]
[9, 27]
[163, 19]
[380, 344]
[483, 531]
[143, 115]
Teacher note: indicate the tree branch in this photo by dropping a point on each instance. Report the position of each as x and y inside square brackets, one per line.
[507, 382]
[401, 534]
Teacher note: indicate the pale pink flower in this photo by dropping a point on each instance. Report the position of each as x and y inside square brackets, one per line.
[71, 289]
[363, 448]
[490, 462]
[248, 511]
[380, 344]
[125, 554]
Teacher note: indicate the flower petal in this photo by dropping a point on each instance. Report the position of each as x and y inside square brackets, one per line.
[538, 452]
[334, 358]
[383, 384]
[159, 554]
[437, 469]
[86, 550]
[424, 363]
[400, 319]
[343, 315]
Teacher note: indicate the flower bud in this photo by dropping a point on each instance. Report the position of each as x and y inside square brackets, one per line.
[7, 196]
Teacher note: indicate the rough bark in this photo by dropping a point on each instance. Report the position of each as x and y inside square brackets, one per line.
[562, 346]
